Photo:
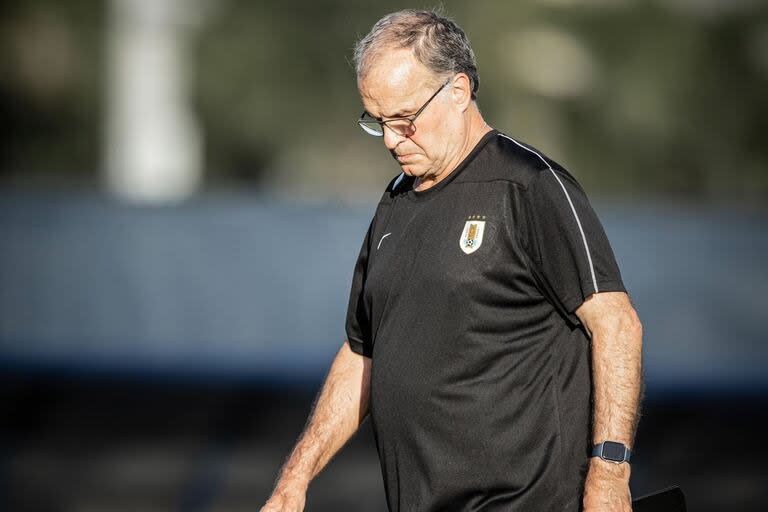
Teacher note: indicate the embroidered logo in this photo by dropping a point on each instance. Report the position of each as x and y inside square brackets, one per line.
[472, 236]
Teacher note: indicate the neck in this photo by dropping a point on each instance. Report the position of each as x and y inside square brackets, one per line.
[476, 129]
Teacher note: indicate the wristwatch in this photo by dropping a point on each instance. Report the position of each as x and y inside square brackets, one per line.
[612, 452]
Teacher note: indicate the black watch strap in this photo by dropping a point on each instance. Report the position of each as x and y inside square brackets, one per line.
[612, 452]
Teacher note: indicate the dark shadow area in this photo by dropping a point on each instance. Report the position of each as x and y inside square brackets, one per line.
[95, 443]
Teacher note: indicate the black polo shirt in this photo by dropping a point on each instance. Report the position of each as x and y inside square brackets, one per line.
[463, 296]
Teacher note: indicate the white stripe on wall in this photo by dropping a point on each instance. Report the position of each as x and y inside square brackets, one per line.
[568, 197]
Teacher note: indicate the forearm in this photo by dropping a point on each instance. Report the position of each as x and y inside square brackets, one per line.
[617, 378]
[336, 415]
[617, 339]
[617, 381]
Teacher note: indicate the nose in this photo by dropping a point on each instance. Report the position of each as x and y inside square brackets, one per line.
[392, 139]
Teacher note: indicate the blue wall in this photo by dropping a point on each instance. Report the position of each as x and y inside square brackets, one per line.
[240, 287]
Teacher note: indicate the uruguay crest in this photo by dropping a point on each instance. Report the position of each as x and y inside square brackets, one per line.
[472, 236]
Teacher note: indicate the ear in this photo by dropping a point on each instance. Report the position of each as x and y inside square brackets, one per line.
[461, 91]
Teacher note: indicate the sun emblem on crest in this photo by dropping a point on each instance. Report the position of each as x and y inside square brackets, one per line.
[472, 235]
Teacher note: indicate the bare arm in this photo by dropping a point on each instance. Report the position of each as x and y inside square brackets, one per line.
[617, 379]
[338, 411]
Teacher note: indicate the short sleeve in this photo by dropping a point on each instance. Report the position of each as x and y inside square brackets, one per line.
[570, 251]
[358, 324]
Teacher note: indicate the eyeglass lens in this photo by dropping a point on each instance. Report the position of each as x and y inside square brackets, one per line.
[402, 127]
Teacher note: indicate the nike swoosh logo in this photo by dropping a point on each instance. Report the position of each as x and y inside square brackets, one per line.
[382, 239]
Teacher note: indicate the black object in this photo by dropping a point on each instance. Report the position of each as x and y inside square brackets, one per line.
[612, 452]
[666, 500]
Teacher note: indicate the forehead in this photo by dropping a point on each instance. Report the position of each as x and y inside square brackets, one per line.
[395, 83]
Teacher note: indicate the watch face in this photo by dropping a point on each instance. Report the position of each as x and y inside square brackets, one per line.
[613, 451]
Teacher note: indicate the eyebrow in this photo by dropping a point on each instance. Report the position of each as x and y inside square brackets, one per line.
[400, 113]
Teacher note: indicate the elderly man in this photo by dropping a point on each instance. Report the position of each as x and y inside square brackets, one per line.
[489, 333]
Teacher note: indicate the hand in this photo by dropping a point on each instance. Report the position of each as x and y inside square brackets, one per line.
[607, 487]
[286, 499]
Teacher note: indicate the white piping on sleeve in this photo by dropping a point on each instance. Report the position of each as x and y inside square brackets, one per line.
[398, 180]
[568, 197]
[382, 239]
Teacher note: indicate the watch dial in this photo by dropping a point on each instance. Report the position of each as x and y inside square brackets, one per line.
[613, 451]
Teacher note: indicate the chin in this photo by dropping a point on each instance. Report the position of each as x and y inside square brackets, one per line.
[412, 170]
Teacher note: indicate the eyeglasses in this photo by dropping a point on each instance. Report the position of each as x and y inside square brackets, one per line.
[402, 126]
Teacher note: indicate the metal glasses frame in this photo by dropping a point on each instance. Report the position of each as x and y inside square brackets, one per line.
[363, 120]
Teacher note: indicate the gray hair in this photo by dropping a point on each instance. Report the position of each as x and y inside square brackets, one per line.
[437, 42]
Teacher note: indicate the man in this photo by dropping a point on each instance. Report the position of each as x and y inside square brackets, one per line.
[486, 309]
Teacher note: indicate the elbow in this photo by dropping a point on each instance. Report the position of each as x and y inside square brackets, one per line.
[610, 318]
[631, 330]
[631, 323]
[622, 324]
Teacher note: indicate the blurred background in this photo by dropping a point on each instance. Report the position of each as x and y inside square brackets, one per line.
[184, 189]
